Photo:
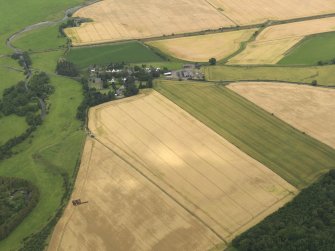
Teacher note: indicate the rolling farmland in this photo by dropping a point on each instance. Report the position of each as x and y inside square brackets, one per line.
[306, 54]
[128, 52]
[304, 107]
[144, 19]
[272, 43]
[324, 75]
[149, 157]
[258, 11]
[201, 48]
[294, 156]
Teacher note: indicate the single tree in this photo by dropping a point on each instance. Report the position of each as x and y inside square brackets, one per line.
[212, 61]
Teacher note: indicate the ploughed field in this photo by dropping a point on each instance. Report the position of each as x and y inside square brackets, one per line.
[156, 178]
[307, 108]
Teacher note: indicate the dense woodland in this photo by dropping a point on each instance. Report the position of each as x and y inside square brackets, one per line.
[17, 198]
[305, 224]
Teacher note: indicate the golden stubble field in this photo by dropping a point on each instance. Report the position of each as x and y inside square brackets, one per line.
[257, 11]
[307, 108]
[133, 19]
[272, 43]
[201, 48]
[155, 178]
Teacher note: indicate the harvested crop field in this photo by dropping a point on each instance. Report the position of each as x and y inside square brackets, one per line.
[274, 42]
[158, 179]
[258, 11]
[131, 19]
[201, 48]
[307, 108]
[298, 158]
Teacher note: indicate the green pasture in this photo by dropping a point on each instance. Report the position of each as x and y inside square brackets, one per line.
[47, 38]
[17, 14]
[128, 52]
[9, 76]
[11, 126]
[323, 74]
[54, 149]
[296, 157]
[311, 50]
[46, 60]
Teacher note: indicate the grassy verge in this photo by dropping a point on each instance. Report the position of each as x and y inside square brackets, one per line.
[296, 157]
[324, 75]
[128, 52]
[311, 50]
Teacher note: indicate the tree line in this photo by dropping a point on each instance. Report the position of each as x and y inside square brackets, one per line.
[92, 97]
[22, 100]
[305, 224]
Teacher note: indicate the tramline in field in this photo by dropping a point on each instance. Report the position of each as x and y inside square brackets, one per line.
[146, 149]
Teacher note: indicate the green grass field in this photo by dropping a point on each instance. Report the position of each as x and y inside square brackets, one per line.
[11, 126]
[55, 148]
[46, 60]
[128, 52]
[9, 77]
[324, 75]
[297, 158]
[311, 50]
[47, 38]
[17, 14]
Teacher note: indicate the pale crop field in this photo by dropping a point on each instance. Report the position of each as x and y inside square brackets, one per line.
[124, 212]
[307, 108]
[273, 43]
[201, 48]
[158, 179]
[132, 19]
[258, 11]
